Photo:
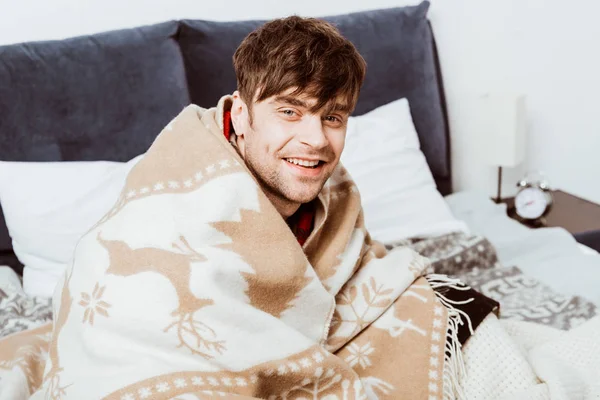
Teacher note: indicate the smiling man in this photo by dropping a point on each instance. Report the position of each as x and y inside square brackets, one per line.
[298, 82]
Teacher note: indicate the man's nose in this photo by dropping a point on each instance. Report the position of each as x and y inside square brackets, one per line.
[313, 134]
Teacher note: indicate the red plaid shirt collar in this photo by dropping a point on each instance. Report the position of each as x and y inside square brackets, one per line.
[301, 223]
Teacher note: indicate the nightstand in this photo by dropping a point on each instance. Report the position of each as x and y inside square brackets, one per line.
[578, 216]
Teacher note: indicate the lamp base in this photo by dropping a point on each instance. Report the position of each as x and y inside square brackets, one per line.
[499, 194]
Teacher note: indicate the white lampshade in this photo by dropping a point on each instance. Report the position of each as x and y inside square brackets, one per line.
[503, 128]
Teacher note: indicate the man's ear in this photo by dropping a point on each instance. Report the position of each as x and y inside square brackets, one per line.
[239, 114]
[239, 119]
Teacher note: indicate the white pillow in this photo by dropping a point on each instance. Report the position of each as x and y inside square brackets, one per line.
[398, 192]
[48, 206]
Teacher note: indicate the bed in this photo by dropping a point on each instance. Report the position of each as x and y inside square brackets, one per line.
[77, 113]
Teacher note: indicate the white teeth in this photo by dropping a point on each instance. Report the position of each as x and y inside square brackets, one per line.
[303, 163]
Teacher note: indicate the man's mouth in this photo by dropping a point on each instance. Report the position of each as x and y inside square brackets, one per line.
[304, 163]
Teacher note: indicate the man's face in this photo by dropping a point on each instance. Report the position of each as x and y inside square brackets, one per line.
[291, 150]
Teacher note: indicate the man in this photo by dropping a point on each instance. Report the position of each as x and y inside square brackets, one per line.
[298, 82]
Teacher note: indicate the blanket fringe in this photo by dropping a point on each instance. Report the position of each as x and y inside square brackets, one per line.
[454, 367]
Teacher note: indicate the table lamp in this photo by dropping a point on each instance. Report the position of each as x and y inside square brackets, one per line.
[504, 126]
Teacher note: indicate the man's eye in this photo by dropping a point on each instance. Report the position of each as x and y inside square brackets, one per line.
[289, 113]
[332, 118]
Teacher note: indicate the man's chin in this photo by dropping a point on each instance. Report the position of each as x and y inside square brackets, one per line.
[303, 199]
[303, 195]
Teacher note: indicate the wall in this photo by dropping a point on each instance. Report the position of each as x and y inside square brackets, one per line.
[543, 48]
[25, 20]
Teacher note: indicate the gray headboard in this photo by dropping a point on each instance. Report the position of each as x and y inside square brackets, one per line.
[106, 96]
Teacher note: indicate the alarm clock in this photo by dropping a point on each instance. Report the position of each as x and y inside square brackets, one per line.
[533, 200]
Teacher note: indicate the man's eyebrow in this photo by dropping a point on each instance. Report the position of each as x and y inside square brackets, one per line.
[294, 101]
[338, 107]
[291, 100]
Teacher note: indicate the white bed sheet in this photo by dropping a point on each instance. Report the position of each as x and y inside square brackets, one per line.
[550, 255]
[8, 277]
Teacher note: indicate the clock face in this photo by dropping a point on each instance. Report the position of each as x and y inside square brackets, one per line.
[531, 203]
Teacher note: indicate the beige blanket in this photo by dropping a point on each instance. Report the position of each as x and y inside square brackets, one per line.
[194, 286]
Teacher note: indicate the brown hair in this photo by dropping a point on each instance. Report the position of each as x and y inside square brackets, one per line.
[307, 53]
